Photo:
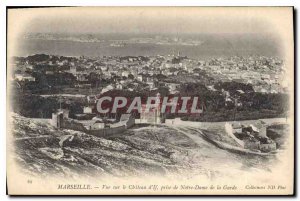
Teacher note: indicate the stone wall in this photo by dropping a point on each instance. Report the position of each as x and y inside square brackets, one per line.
[71, 124]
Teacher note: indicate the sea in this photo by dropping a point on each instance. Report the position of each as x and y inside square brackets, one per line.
[212, 46]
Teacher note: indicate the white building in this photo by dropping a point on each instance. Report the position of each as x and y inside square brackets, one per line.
[24, 77]
[87, 110]
[125, 73]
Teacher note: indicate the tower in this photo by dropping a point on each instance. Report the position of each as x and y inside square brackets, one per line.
[178, 54]
[57, 119]
[157, 108]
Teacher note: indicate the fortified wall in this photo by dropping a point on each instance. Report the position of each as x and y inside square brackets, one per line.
[61, 120]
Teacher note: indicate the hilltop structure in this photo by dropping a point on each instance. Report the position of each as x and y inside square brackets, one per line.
[152, 114]
[95, 126]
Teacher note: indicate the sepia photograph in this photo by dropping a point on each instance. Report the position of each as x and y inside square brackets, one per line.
[150, 101]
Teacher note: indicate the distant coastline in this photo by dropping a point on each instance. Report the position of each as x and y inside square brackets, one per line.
[195, 46]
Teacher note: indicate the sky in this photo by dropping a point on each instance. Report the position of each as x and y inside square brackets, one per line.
[146, 20]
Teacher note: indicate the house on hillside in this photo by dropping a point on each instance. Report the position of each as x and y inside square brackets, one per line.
[24, 77]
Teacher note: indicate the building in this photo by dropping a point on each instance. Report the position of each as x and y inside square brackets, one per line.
[152, 115]
[237, 128]
[57, 118]
[88, 110]
[91, 99]
[151, 84]
[24, 77]
[267, 145]
[73, 70]
[125, 73]
[251, 129]
[172, 86]
[82, 77]
[119, 86]
[254, 137]
[251, 143]
[49, 72]
[140, 78]
[97, 125]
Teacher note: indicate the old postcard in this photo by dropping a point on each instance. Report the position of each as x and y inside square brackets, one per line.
[150, 101]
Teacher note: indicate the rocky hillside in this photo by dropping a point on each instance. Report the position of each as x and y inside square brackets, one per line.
[44, 150]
